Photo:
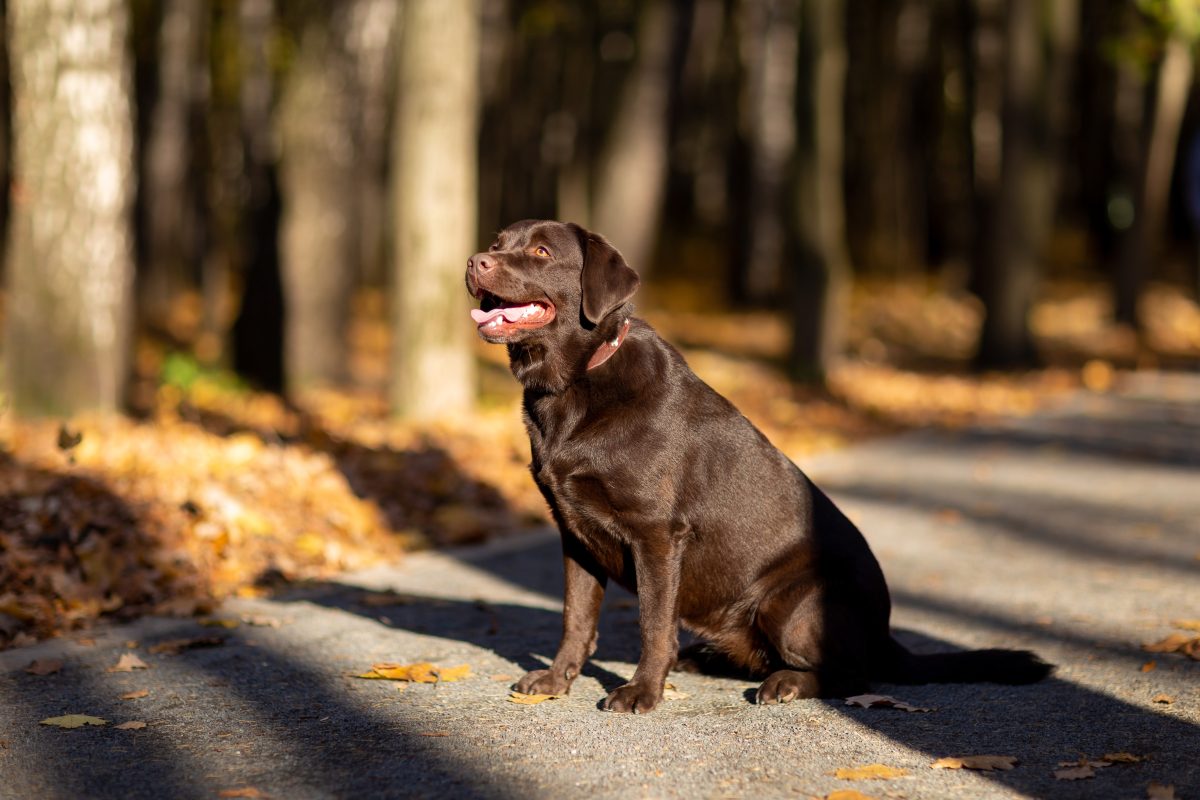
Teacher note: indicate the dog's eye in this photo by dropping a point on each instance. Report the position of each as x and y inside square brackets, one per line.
[495, 246]
[542, 252]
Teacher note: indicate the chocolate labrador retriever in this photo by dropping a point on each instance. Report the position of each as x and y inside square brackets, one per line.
[657, 482]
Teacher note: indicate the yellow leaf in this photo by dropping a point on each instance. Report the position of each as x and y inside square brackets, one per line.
[985, 763]
[135, 695]
[848, 794]
[530, 699]
[1165, 699]
[74, 721]
[128, 662]
[870, 772]
[447, 674]
[132, 725]
[311, 544]
[1187, 624]
[1149, 666]
[422, 672]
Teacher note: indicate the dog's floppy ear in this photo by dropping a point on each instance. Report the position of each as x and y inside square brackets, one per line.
[607, 281]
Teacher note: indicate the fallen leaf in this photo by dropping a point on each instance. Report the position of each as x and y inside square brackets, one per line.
[132, 644]
[1159, 791]
[1074, 773]
[848, 794]
[1124, 758]
[68, 439]
[132, 725]
[136, 695]
[128, 662]
[1149, 666]
[422, 672]
[1187, 624]
[530, 699]
[871, 772]
[984, 763]
[173, 647]
[1163, 698]
[671, 693]
[44, 666]
[1176, 643]
[882, 701]
[74, 721]
[244, 791]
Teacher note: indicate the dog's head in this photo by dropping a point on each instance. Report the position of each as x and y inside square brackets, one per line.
[550, 283]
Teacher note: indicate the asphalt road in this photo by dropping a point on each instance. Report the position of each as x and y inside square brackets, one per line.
[1075, 533]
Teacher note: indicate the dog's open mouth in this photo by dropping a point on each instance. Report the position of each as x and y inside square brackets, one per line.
[496, 315]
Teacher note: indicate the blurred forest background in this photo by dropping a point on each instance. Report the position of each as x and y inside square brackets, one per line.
[243, 225]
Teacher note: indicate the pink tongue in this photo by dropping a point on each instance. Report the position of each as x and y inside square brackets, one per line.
[511, 313]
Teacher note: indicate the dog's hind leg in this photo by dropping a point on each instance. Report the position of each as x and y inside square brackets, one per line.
[819, 645]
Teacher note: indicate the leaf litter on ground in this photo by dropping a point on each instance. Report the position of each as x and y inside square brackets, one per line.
[870, 772]
[520, 698]
[985, 763]
[74, 721]
[128, 662]
[883, 701]
[44, 666]
[421, 672]
[1176, 643]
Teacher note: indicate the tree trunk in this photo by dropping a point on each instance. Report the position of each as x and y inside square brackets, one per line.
[318, 112]
[769, 38]
[822, 273]
[633, 169]
[172, 198]
[1143, 245]
[1008, 260]
[434, 184]
[70, 259]
[258, 330]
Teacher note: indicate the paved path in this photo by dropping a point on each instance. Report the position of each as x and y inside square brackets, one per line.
[1076, 533]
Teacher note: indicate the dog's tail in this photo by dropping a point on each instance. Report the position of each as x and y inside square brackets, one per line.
[973, 666]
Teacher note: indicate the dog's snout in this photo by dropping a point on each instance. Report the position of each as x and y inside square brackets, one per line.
[481, 263]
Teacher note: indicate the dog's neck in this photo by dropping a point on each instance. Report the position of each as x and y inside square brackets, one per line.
[550, 368]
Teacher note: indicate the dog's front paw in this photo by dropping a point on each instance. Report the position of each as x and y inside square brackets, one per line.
[633, 698]
[543, 681]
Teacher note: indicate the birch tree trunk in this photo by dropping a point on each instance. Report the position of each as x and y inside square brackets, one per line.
[70, 255]
[434, 183]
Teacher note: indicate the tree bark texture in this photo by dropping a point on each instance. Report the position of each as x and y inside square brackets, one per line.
[821, 276]
[633, 168]
[172, 209]
[70, 255]
[1143, 244]
[434, 185]
[319, 181]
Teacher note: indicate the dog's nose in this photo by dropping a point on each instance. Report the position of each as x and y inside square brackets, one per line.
[480, 263]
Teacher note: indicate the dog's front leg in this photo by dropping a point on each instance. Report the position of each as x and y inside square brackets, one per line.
[657, 563]
[584, 591]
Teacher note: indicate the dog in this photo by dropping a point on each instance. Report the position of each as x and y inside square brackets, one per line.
[657, 482]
